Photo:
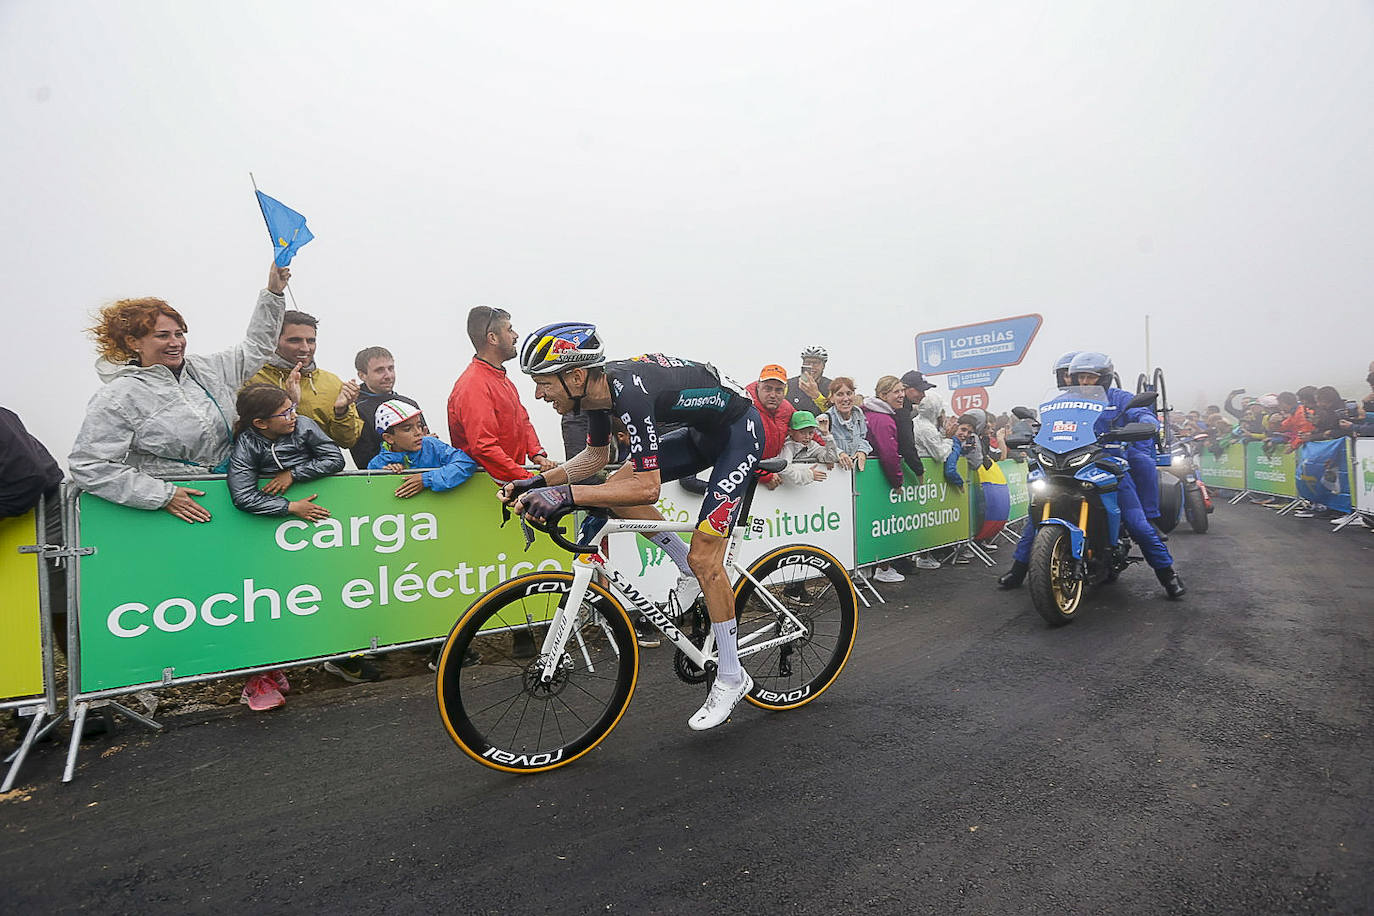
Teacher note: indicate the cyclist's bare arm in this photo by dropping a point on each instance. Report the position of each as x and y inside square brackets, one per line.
[625, 488]
[581, 466]
[631, 492]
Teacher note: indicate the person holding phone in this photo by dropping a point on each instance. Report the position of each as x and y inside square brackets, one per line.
[809, 390]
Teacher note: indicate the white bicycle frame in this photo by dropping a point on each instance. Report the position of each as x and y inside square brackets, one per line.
[585, 566]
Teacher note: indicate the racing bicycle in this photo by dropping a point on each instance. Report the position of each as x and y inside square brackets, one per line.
[795, 609]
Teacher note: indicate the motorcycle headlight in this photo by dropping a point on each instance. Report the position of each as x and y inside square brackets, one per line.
[1039, 487]
[1048, 460]
[1078, 462]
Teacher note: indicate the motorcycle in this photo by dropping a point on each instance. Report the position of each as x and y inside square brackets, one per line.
[1074, 474]
[1181, 492]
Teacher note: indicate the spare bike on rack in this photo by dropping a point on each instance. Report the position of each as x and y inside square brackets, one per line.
[795, 607]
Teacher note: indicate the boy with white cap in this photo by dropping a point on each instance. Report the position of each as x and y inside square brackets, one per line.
[405, 446]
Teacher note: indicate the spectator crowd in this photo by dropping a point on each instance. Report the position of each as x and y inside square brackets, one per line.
[1282, 421]
[267, 415]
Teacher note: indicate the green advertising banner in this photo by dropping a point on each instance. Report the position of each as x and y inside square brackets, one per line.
[1275, 474]
[1018, 486]
[1226, 470]
[245, 590]
[21, 651]
[923, 513]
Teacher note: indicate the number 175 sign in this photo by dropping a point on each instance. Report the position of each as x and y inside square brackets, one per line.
[966, 399]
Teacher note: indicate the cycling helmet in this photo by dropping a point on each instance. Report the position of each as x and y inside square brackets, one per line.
[1100, 364]
[816, 353]
[1061, 368]
[563, 345]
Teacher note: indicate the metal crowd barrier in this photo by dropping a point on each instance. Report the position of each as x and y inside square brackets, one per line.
[154, 602]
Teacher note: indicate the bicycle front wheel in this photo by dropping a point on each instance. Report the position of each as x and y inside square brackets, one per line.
[501, 712]
[814, 587]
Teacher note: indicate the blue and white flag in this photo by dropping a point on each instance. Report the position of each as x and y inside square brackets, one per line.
[1324, 474]
[286, 226]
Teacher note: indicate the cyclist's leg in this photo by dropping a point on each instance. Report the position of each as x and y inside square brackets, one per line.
[735, 451]
[740, 447]
[679, 456]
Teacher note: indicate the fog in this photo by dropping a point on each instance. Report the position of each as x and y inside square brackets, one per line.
[720, 181]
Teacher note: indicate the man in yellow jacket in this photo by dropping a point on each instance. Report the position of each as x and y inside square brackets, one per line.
[325, 398]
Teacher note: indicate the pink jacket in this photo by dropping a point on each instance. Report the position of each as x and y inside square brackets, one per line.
[882, 433]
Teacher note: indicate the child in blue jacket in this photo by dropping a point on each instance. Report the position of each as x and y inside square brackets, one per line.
[405, 446]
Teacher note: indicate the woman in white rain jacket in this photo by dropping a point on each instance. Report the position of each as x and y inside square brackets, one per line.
[161, 413]
[931, 442]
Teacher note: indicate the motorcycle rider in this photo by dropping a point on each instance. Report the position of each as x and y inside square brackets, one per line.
[1092, 368]
[1061, 368]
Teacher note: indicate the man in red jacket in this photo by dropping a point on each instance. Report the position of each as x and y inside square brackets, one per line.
[485, 416]
[770, 397]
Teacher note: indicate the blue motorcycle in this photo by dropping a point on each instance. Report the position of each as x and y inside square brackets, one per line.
[1074, 475]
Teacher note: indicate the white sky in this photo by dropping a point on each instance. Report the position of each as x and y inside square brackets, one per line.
[721, 181]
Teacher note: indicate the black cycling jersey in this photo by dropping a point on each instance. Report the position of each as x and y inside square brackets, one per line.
[654, 389]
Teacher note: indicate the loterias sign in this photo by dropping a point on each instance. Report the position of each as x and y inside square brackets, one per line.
[986, 345]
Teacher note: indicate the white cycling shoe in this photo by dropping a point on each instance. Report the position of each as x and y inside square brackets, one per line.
[685, 593]
[719, 703]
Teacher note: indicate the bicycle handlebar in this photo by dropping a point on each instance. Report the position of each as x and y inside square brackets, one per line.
[555, 531]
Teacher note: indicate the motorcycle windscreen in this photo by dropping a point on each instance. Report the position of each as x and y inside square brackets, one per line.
[1067, 420]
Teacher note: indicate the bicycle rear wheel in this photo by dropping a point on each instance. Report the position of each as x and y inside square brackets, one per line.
[500, 712]
[815, 588]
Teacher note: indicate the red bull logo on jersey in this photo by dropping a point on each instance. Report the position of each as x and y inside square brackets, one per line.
[718, 522]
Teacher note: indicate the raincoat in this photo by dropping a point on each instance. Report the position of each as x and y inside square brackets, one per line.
[148, 423]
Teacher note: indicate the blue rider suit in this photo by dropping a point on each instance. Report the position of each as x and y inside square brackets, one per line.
[1132, 515]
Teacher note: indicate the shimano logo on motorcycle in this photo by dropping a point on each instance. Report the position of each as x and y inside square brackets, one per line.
[1071, 405]
[523, 760]
[792, 696]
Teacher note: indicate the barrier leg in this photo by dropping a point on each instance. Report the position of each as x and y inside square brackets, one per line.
[43, 732]
[78, 724]
[1238, 497]
[29, 738]
[138, 716]
[1344, 520]
[862, 582]
[977, 551]
[1292, 505]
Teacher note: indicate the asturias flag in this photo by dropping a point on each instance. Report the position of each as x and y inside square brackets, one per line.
[286, 226]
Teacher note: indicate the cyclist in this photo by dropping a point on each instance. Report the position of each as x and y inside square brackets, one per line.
[721, 430]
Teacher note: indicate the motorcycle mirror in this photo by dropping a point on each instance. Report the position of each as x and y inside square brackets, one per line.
[1023, 413]
[1019, 441]
[1144, 399]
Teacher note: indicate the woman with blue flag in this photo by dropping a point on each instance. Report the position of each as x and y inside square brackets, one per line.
[161, 413]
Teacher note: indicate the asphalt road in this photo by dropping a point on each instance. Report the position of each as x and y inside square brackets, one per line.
[1207, 756]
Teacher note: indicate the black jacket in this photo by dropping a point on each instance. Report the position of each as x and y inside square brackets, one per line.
[27, 471]
[906, 439]
[308, 453]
